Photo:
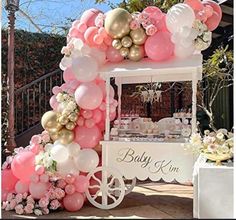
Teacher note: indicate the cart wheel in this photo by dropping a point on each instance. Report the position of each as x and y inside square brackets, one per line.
[100, 193]
[129, 185]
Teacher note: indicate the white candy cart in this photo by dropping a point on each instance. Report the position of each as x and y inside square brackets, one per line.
[128, 160]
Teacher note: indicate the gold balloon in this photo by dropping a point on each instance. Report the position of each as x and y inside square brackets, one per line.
[73, 117]
[138, 36]
[126, 41]
[66, 136]
[116, 44]
[117, 23]
[49, 122]
[63, 120]
[124, 52]
[70, 125]
[54, 135]
[136, 53]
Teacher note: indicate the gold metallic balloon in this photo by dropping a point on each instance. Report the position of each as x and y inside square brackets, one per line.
[70, 125]
[138, 36]
[126, 41]
[54, 135]
[116, 44]
[136, 53]
[117, 23]
[66, 136]
[50, 121]
[124, 52]
[63, 120]
[73, 117]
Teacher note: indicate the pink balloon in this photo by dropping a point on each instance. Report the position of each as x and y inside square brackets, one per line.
[74, 32]
[89, 16]
[154, 13]
[87, 137]
[9, 180]
[81, 183]
[35, 148]
[112, 115]
[75, 23]
[98, 39]
[68, 75]
[108, 40]
[21, 187]
[214, 5]
[38, 190]
[39, 169]
[70, 189]
[88, 96]
[56, 90]
[161, 25]
[102, 86]
[213, 21]
[73, 202]
[23, 165]
[89, 36]
[113, 55]
[70, 178]
[82, 27]
[86, 113]
[97, 115]
[34, 178]
[53, 102]
[103, 47]
[44, 178]
[80, 121]
[196, 5]
[89, 123]
[101, 125]
[4, 195]
[159, 47]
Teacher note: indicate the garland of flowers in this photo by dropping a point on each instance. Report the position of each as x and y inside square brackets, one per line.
[51, 173]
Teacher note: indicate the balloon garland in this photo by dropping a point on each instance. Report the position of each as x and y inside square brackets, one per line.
[51, 172]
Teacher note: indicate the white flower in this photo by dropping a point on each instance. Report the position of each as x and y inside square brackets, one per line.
[38, 158]
[59, 97]
[71, 105]
[207, 36]
[38, 212]
[220, 136]
[195, 139]
[223, 149]
[208, 140]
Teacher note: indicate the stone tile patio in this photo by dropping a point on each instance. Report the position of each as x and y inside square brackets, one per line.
[149, 200]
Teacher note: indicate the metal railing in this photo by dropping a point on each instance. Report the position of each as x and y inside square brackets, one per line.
[32, 100]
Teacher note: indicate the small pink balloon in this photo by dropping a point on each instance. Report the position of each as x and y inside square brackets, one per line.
[35, 148]
[87, 137]
[73, 84]
[23, 165]
[68, 75]
[70, 189]
[73, 202]
[4, 195]
[89, 36]
[89, 16]
[70, 178]
[161, 25]
[9, 180]
[213, 21]
[194, 4]
[115, 102]
[64, 86]
[61, 183]
[82, 27]
[113, 55]
[102, 107]
[80, 121]
[103, 47]
[216, 8]
[89, 123]
[44, 178]
[56, 90]
[101, 125]
[34, 178]
[107, 40]
[201, 15]
[38, 190]
[102, 86]
[98, 39]
[75, 23]
[102, 32]
[112, 108]
[81, 183]
[39, 169]
[74, 32]
[21, 187]
[208, 10]
[86, 113]
[154, 13]
[159, 46]
[97, 115]
[53, 102]
[112, 115]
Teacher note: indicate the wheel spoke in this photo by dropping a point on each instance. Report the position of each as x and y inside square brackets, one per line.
[94, 187]
[95, 195]
[98, 180]
[112, 197]
[113, 189]
[111, 181]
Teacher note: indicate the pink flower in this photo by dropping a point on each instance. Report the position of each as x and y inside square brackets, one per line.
[151, 30]
[134, 25]
[55, 204]
[13, 204]
[45, 138]
[25, 194]
[8, 207]
[61, 183]
[30, 200]
[19, 150]
[142, 17]
[36, 139]
[4, 205]
[43, 202]
[9, 159]
[146, 23]
[45, 211]
[60, 193]
[19, 209]
[29, 208]
[10, 196]
[99, 21]
[5, 165]
[19, 198]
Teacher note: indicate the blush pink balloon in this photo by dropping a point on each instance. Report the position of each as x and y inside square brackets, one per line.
[75, 23]
[73, 202]
[101, 125]
[113, 55]
[80, 121]
[34, 178]
[89, 16]
[9, 180]
[213, 21]
[44, 178]
[154, 13]
[68, 75]
[97, 115]
[81, 183]
[86, 113]
[21, 187]
[70, 178]
[87, 137]
[108, 40]
[56, 90]
[38, 190]
[102, 107]
[23, 165]
[88, 96]
[214, 5]
[103, 47]
[89, 35]
[161, 25]
[53, 102]
[70, 189]
[89, 123]
[82, 27]
[159, 47]
[196, 5]
[74, 32]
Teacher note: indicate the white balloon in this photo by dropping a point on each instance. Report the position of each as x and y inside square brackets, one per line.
[73, 149]
[178, 16]
[78, 43]
[48, 147]
[67, 167]
[87, 160]
[66, 61]
[183, 52]
[85, 68]
[59, 153]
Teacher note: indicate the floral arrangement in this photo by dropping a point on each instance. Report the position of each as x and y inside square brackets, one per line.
[216, 146]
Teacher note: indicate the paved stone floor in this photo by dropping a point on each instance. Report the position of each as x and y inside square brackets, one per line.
[149, 200]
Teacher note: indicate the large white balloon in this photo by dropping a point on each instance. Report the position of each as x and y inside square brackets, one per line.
[67, 167]
[87, 160]
[183, 52]
[85, 68]
[59, 153]
[74, 149]
[178, 16]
